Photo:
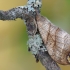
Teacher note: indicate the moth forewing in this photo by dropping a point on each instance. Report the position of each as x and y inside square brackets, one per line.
[56, 40]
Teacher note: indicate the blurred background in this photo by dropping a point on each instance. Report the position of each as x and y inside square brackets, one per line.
[13, 35]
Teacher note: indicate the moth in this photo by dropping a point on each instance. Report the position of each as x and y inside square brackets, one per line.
[56, 40]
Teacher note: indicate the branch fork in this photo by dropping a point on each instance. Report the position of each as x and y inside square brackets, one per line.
[29, 14]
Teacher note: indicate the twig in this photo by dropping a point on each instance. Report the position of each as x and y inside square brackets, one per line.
[47, 61]
[28, 13]
[22, 11]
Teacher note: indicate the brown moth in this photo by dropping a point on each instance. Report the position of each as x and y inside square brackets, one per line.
[56, 40]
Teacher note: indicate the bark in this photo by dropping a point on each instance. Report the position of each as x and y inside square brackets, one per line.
[14, 13]
[47, 61]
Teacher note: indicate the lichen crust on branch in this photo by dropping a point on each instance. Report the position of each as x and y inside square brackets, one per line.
[35, 3]
[35, 44]
[21, 11]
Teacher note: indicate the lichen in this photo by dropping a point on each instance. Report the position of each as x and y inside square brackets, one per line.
[35, 44]
[35, 3]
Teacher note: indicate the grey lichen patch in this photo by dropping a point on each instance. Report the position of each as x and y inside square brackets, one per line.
[35, 44]
[35, 3]
[32, 4]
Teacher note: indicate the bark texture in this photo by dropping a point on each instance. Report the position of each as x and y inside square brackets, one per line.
[47, 61]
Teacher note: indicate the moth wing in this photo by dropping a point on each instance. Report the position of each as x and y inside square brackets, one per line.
[56, 40]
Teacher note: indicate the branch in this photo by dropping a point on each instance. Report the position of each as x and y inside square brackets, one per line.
[28, 13]
[12, 14]
[22, 11]
[47, 61]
